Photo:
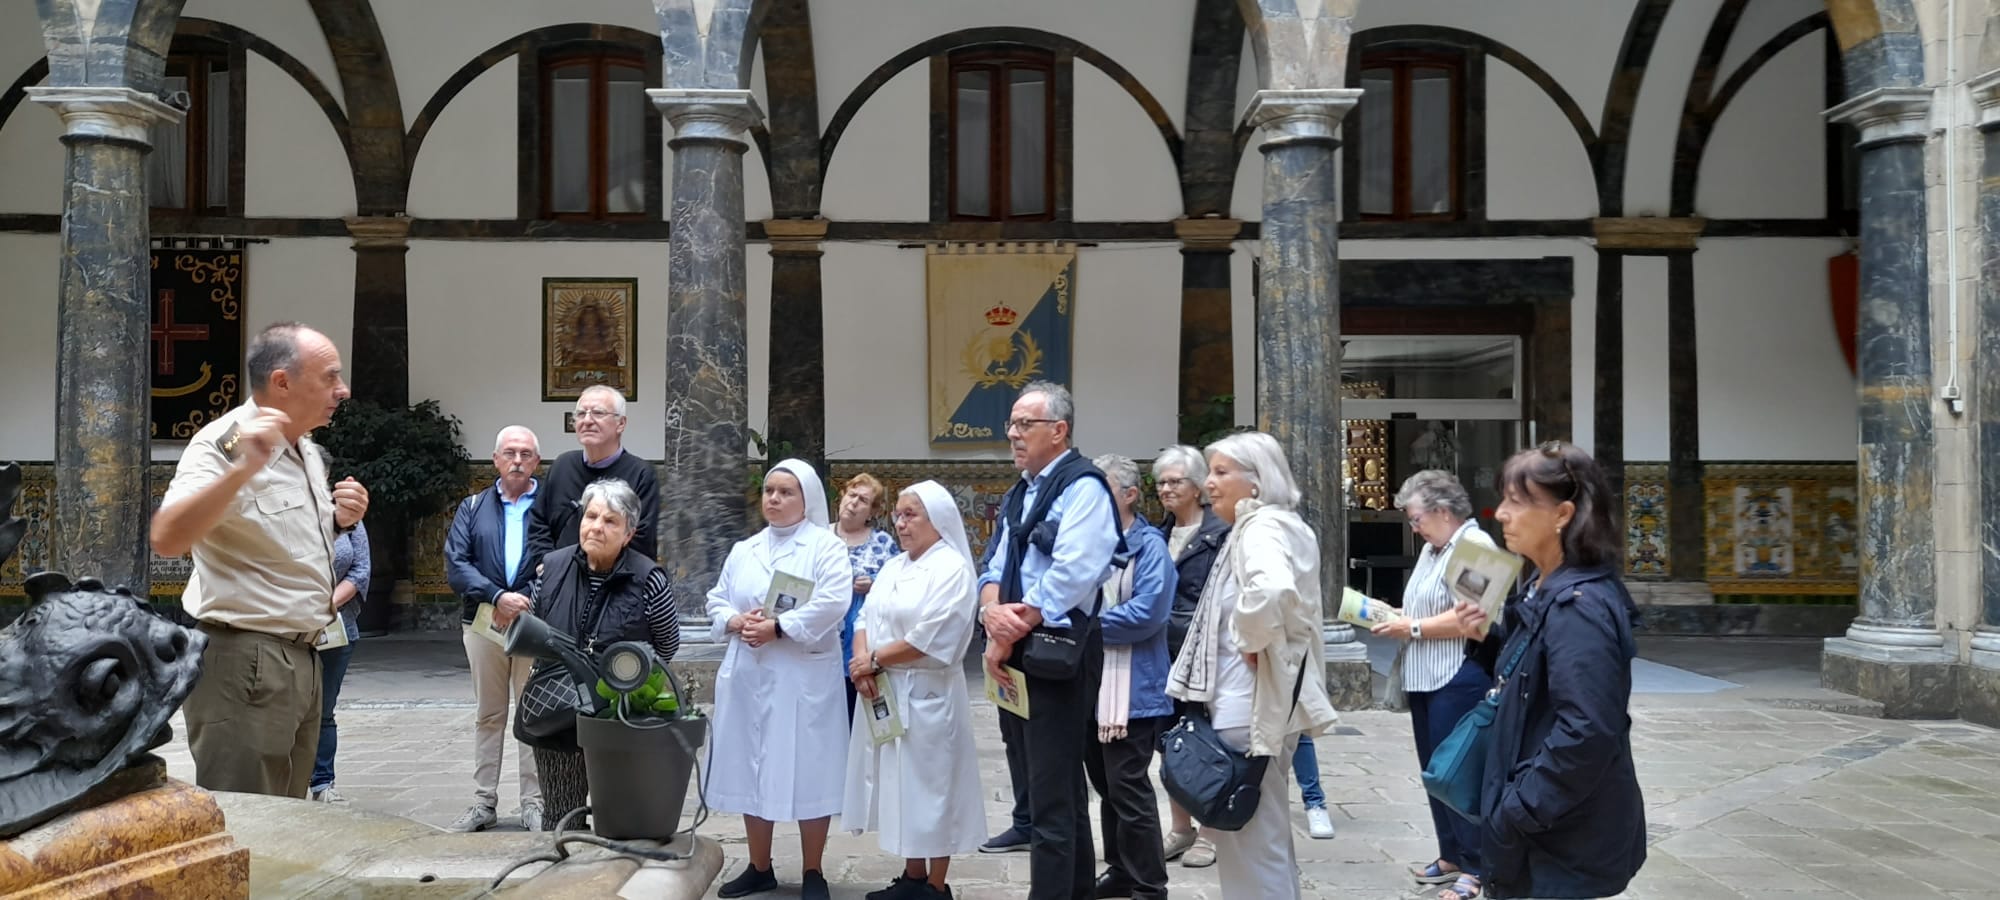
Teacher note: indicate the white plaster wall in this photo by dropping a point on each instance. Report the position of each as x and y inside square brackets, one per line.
[1123, 170]
[1761, 21]
[877, 371]
[290, 26]
[28, 344]
[1150, 38]
[1767, 156]
[31, 161]
[429, 40]
[1657, 114]
[467, 166]
[1536, 167]
[880, 170]
[293, 164]
[1774, 384]
[475, 333]
[1646, 358]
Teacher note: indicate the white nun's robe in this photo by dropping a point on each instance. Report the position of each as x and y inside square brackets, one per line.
[920, 791]
[777, 751]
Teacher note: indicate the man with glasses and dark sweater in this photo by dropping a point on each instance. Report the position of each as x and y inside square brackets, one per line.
[600, 428]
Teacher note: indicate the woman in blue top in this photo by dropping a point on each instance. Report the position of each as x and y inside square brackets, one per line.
[350, 590]
[1561, 813]
[862, 502]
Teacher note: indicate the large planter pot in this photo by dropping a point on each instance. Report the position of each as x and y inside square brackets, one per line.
[638, 774]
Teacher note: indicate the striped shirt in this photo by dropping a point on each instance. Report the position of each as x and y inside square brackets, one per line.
[663, 625]
[1430, 663]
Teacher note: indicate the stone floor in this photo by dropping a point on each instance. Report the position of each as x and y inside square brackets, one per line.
[1758, 785]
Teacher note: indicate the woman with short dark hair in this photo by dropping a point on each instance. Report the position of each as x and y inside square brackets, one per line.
[1561, 812]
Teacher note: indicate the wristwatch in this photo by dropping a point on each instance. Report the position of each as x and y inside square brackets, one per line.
[1416, 629]
[874, 663]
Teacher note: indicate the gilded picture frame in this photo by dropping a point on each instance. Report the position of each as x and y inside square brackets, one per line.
[589, 336]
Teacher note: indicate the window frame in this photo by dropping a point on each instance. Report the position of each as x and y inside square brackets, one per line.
[188, 57]
[538, 68]
[1467, 179]
[1000, 59]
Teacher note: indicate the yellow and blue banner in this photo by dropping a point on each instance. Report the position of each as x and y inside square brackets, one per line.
[1000, 317]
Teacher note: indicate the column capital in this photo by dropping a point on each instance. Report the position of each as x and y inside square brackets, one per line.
[711, 113]
[1207, 234]
[795, 237]
[379, 232]
[1887, 114]
[1647, 233]
[114, 113]
[1985, 91]
[1312, 113]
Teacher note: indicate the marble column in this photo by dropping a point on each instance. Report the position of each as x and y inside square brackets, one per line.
[798, 341]
[103, 496]
[707, 354]
[380, 367]
[1298, 338]
[1208, 358]
[1979, 690]
[1894, 651]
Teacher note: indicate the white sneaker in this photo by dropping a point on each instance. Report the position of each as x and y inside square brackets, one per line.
[531, 816]
[477, 817]
[328, 795]
[1319, 823]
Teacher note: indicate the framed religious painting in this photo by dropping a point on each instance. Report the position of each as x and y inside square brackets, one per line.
[589, 336]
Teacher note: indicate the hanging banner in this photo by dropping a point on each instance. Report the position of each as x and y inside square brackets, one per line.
[1000, 317]
[196, 339]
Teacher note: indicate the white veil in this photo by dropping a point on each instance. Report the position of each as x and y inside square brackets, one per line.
[813, 492]
[945, 517]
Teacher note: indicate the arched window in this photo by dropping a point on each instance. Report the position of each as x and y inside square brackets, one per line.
[196, 165]
[597, 138]
[1002, 109]
[1415, 147]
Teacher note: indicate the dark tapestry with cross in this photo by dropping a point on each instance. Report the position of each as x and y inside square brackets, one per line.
[197, 338]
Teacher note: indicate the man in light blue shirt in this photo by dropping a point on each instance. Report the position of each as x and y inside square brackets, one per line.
[1053, 549]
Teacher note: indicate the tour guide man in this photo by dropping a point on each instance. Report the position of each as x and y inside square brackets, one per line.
[250, 500]
[1055, 544]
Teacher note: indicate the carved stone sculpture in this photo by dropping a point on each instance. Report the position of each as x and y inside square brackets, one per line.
[89, 678]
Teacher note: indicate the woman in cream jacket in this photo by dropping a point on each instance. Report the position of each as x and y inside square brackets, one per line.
[1254, 646]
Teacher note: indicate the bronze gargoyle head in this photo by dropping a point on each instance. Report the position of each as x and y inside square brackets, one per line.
[89, 678]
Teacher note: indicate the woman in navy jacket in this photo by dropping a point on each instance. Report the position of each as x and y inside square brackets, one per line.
[1561, 812]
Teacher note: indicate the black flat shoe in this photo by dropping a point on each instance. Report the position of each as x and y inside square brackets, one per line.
[1111, 884]
[753, 881]
[902, 888]
[1013, 840]
[813, 886]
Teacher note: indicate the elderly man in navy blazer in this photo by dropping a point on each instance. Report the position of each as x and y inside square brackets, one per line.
[487, 563]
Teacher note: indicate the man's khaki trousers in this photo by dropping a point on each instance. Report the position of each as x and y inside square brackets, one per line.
[253, 718]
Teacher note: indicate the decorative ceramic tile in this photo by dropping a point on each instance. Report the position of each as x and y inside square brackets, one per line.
[1646, 543]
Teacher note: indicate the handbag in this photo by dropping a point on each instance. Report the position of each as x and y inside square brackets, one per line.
[1056, 654]
[1457, 773]
[545, 715]
[1217, 785]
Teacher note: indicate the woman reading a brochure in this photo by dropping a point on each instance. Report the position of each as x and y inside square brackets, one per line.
[912, 769]
[1561, 814]
[777, 751]
[1442, 685]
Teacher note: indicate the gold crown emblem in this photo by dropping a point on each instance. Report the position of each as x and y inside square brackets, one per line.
[1002, 316]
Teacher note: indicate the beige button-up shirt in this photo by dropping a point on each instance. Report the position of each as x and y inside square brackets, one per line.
[268, 565]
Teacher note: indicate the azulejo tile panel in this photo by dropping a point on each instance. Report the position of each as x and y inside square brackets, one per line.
[1782, 529]
[1646, 543]
[37, 505]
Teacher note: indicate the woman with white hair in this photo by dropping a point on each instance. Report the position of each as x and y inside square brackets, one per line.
[600, 591]
[1442, 685]
[1253, 661]
[776, 752]
[919, 792]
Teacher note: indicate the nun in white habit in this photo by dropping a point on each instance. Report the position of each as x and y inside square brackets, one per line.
[777, 750]
[920, 791]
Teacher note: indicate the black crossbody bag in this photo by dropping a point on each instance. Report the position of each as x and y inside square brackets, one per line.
[1218, 786]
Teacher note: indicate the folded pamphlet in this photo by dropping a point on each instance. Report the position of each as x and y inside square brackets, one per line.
[1362, 611]
[482, 625]
[885, 721]
[1011, 696]
[1481, 575]
[787, 593]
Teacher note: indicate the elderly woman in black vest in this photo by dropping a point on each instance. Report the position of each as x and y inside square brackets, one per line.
[600, 591]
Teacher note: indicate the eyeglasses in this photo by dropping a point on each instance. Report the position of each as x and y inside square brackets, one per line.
[1167, 484]
[1417, 519]
[1025, 424]
[900, 516]
[517, 454]
[596, 414]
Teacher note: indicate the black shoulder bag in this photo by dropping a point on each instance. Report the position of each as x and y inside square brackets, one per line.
[554, 695]
[1218, 786]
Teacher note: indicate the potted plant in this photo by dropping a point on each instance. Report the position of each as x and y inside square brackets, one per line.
[640, 749]
[413, 463]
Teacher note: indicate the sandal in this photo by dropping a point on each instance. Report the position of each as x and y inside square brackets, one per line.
[1435, 873]
[1465, 888]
